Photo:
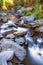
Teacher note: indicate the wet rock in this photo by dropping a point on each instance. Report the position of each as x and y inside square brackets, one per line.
[29, 39]
[21, 29]
[28, 18]
[19, 33]
[11, 23]
[20, 40]
[5, 56]
[21, 23]
[3, 31]
[37, 23]
[13, 18]
[3, 62]
[39, 40]
[40, 29]
[3, 14]
[6, 41]
[19, 13]
[1, 36]
[18, 50]
[40, 21]
[4, 26]
[11, 36]
[9, 63]
[4, 19]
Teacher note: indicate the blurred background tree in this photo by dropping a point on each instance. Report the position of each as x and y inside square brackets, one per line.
[4, 4]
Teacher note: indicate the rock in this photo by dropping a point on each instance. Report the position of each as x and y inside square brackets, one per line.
[1, 36]
[39, 40]
[19, 13]
[5, 56]
[20, 40]
[3, 31]
[4, 26]
[3, 62]
[4, 19]
[37, 23]
[29, 39]
[13, 18]
[11, 36]
[19, 33]
[18, 50]
[21, 23]
[6, 41]
[28, 18]
[11, 23]
[9, 63]
[21, 29]
[40, 29]
[3, 14]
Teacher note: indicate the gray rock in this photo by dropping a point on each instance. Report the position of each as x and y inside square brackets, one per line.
[1, 36]
[11, 23]
[28, 18]
[3, 14]
[37, 23]
[5, 56]
[39, 40]
[40, 29]
[4, 19]
[18, 50]
[21, 23]
[9, 63]
[21, 29]
[3, 31]
[20, 40]
[4, 26]
[10, 36]
[29, 39]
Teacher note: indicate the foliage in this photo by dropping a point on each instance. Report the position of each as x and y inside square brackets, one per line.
[38, 12]
[15, 6]
[4, 4]
[1, 3]
[26, 12]
[21, 3]
[18, 4]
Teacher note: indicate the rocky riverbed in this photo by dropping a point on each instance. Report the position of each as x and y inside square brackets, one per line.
[21, 39]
